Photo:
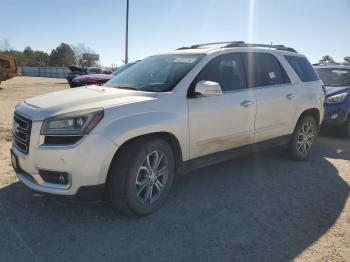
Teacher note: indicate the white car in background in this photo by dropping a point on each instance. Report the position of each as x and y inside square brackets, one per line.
[164, 116]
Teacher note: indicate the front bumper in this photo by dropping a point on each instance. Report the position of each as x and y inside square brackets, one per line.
[86, 163]
[335, 115]
[84, 193]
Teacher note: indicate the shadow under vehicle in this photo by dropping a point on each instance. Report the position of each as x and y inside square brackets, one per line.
[262, 207]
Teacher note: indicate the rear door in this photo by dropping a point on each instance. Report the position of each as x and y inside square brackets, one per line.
[219, 123]
[275, 95]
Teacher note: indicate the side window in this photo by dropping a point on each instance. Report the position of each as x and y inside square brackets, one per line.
[227, 70]
[303, 68]
[263, 70]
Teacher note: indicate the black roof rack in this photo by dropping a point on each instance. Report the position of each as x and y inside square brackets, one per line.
[208, 44]
[241, 44]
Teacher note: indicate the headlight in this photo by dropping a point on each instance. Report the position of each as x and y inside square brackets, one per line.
[77, 123]
[336, 98]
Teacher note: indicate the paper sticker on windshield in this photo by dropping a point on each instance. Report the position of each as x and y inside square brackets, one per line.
[188, 60]
[339, 71]
[272, 75]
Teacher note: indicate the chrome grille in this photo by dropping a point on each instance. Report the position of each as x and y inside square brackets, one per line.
[21, 132]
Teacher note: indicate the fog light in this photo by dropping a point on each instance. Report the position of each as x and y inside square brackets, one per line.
[334, 116]
[54, 177]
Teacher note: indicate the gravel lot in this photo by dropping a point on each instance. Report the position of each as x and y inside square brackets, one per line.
[263, 207]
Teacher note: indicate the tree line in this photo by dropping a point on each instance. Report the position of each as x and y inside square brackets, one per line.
[328, 60]
[67, 55]
[62, 55]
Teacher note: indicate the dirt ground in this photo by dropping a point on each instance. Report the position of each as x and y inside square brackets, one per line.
[13, 92]
[262, 207]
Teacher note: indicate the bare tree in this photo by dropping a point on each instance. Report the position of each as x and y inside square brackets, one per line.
[326, 59]
[347, 60]
[79, 50]
[5, 45]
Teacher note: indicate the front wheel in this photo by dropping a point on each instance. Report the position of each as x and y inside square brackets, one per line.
[141, 176]
[303, 138]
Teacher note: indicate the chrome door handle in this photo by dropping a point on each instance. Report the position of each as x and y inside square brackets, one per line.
[291, 96]
[246, 103]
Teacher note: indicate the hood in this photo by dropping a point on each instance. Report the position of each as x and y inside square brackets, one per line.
[70, 100]
[93, 77]
[331, 90]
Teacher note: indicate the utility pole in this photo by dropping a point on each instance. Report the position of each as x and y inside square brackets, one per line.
[127, 33]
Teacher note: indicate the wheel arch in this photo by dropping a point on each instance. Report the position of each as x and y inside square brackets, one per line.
[314, 112]
[170, 138]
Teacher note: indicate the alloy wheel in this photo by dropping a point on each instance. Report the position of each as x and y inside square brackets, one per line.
[152, 177]
[306, 138]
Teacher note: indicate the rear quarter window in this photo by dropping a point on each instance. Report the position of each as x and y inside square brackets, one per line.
[303, 68]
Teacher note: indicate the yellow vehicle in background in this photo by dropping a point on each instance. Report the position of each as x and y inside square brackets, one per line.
[8, 67]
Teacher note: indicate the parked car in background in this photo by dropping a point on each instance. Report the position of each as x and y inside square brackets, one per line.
[85, 80]
[97, 79]
[8, 67]
[77, 71]
[164, 116]
[336, 79]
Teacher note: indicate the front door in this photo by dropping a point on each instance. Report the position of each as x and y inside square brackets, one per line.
[220, 123]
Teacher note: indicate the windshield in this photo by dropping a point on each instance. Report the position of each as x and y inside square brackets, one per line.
[334, 76]
[156, 73]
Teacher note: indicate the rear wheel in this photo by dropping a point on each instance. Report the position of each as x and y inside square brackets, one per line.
[303, 138]
[141, 176]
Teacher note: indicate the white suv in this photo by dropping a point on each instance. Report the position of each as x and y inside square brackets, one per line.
[166, 115]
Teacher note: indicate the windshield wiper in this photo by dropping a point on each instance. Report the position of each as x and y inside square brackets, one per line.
[137, 89]
[129, 88]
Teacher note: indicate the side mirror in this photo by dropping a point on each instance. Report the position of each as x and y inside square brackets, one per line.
[208, 88]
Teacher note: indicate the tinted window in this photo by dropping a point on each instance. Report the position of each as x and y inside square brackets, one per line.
[263, 70]
[303, 68]
[334, 76]
[227, 70]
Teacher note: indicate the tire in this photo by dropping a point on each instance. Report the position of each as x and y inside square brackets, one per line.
[136, 187]
[345, 129]
[299, 146]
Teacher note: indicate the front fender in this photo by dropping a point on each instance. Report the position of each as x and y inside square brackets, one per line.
[123, 129]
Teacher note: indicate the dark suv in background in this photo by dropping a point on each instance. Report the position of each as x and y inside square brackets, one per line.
[336, 79]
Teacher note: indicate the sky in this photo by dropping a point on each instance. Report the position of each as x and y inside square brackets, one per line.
[312, 27]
